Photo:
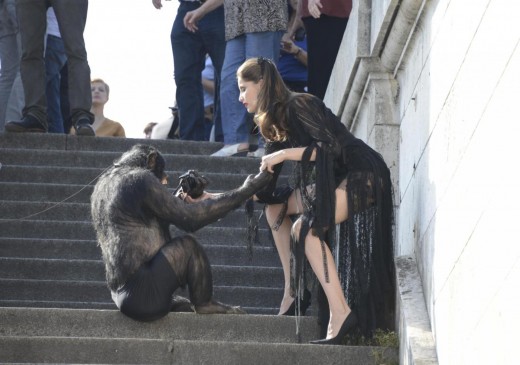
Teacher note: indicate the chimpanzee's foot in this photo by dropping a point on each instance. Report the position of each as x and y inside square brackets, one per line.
[214, 307]
[181, 304]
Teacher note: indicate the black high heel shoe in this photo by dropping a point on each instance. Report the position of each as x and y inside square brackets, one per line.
[348, 325]
[305, 302]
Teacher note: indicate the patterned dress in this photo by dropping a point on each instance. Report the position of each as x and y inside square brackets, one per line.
[250, 16]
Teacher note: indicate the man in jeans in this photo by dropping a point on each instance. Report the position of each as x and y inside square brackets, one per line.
[189, 55]
[55, 61]
[11, 92]
[32, 19]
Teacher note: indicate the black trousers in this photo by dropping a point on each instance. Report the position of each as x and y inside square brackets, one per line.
[32, 20]
[324, 37]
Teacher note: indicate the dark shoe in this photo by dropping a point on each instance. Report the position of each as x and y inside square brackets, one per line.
[348, 325]
[28, 124]
[83, 128]
[305, 302]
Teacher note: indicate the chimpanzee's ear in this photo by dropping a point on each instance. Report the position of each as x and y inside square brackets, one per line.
[151, 160]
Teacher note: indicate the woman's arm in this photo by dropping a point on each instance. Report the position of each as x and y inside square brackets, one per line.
[288, 154]
[206, 195]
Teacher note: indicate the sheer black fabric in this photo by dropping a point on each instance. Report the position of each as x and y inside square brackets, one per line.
[362, 245]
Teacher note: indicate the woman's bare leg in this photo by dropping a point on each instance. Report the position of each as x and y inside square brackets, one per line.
[282, 239]
[339, 309]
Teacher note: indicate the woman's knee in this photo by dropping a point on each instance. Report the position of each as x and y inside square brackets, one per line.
[272, 212]
[296, 228]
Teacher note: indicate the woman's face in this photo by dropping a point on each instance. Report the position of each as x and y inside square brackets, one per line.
[99, 93]
[249, 94]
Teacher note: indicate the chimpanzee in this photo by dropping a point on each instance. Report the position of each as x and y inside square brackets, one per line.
[131, 210]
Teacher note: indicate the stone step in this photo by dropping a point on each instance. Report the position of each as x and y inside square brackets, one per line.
[94, 270]
[103, 159]
[19, 191]
[218, 181]
[97, 291]
[88, 250]
[106, 336]
[44, 322]
[73, 350]
[68, 143]
[72, 212]
[112, 306]
[83, 230]
[76, 193]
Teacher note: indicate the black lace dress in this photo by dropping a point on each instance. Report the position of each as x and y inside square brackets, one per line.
[363, 245]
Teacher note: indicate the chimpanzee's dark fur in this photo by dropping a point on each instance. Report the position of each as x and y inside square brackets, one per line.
[132, 210]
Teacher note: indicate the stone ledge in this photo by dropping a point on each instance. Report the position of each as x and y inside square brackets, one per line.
[417, 344]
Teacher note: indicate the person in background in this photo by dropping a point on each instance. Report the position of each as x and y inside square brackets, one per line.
[253, 29]
[103, 126]
[32, 20]
[168, 128]
[342, 194]
[190, 47]
[55, 61]
[325, 23]
[148, 130]
[292, 64]
[11, 90]
[208, 85]
[64, 99]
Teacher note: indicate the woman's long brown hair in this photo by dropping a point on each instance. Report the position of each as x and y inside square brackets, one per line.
[272, 98]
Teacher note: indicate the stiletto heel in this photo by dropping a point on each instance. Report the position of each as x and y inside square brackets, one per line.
[304, 304]
[348, 325]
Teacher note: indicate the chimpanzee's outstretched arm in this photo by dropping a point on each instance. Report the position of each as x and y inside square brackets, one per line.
[191, 217]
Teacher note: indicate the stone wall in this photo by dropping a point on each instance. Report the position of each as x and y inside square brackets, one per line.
[433, 85]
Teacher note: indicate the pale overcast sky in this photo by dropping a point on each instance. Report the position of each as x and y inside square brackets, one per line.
[128, 46]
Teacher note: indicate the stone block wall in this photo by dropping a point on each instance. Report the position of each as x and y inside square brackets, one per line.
[433, 86]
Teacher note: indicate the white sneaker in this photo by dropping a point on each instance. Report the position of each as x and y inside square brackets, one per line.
[260, 152]
[231, 150]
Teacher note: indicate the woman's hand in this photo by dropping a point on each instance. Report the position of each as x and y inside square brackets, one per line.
[288, 46]
[269, 161]
[314, 7]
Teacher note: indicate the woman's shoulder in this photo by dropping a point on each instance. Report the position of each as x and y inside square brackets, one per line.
[303, 103]
[110, 122]
[304, 99]
[110, 128]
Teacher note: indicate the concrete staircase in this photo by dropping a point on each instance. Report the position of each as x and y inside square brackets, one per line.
[54, 303]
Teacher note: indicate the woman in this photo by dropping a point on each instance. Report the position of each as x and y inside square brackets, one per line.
[103, 127]
[340, 180]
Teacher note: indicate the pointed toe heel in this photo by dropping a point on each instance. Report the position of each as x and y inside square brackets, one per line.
[304, 305]
[349, 324]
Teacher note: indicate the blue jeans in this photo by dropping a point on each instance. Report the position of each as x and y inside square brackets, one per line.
[11, 92]
[235, 123]
[189, 54]
[55, 59]
[72, 17]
